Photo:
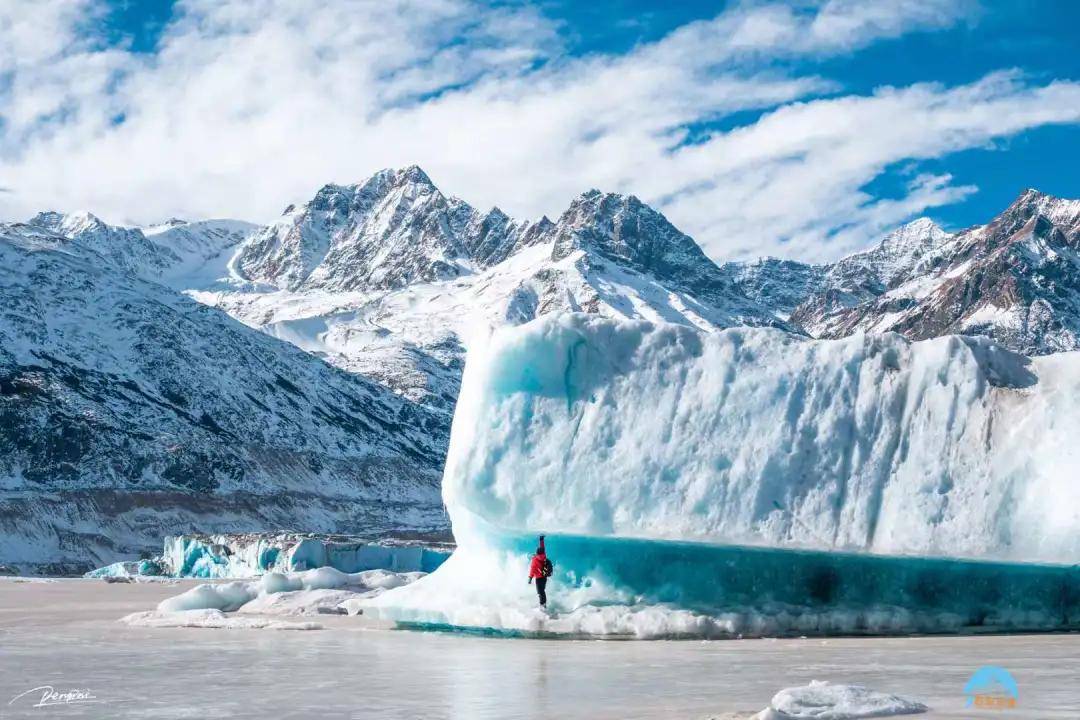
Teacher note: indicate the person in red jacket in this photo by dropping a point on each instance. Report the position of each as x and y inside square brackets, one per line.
[539, 570]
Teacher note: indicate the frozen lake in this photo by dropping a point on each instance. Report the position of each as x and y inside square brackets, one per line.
[64, 634]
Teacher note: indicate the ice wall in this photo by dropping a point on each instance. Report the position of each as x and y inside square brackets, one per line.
[755, 482]
[252, 555]
[949, 447]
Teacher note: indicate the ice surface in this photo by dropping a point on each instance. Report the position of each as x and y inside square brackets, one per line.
[653, 455]
[215, 619]
[827, 701]
[262, 674]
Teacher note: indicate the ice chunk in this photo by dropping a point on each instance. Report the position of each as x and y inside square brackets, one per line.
[225, 597]
[304, 593]
[299, 602]
[277, 582]
[827, 701]
[115, 570]
[386, 580]
[130, 569]
[324, 578]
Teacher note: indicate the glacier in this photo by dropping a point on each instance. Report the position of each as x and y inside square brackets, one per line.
[247, 555]
[751, 481]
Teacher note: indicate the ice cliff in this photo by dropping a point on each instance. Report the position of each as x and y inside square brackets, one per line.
[951, 446]
[650, 453]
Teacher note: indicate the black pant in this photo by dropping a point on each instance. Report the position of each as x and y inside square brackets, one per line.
[541, 590]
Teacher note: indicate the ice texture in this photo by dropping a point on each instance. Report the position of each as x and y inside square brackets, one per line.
[224, 597]
[828, 701]
[214, 619]
[754, 482]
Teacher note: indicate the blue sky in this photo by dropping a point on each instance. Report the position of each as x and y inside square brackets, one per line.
[797, 129]
[1041, 38]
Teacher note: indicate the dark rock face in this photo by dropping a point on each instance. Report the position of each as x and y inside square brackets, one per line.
[779, 285]
[114, 388]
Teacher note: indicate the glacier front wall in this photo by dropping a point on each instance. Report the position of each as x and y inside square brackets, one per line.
[950, 447]
[751, 480]
[252, 555]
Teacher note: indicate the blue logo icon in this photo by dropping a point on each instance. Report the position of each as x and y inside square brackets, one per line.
[992, 687]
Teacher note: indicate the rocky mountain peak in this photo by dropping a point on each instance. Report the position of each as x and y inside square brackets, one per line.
[71, 224]
[388, 231]
[1015, 279]
[920, 232]
[1063, 213]
[622, 228]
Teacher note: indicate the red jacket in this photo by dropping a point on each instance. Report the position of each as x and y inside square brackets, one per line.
[536, 567]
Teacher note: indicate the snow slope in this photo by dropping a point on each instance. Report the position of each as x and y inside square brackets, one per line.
[624, 440]
[129, 412]
[178, 253]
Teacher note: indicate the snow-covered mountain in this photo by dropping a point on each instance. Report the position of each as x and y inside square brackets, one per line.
[175, 252]
[1015, 279]
[391, 231]
[132, 411]
[784, 285]
[129, 411]
[389, 277]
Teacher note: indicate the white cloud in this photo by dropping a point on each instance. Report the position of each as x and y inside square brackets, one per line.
[247, 107]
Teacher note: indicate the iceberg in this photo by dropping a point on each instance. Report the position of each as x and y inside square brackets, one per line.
[755, 482]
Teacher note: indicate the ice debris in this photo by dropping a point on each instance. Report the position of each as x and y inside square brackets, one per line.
[822, 700]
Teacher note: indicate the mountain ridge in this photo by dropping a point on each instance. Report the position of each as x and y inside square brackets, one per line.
[374, 291]
[129, 411]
